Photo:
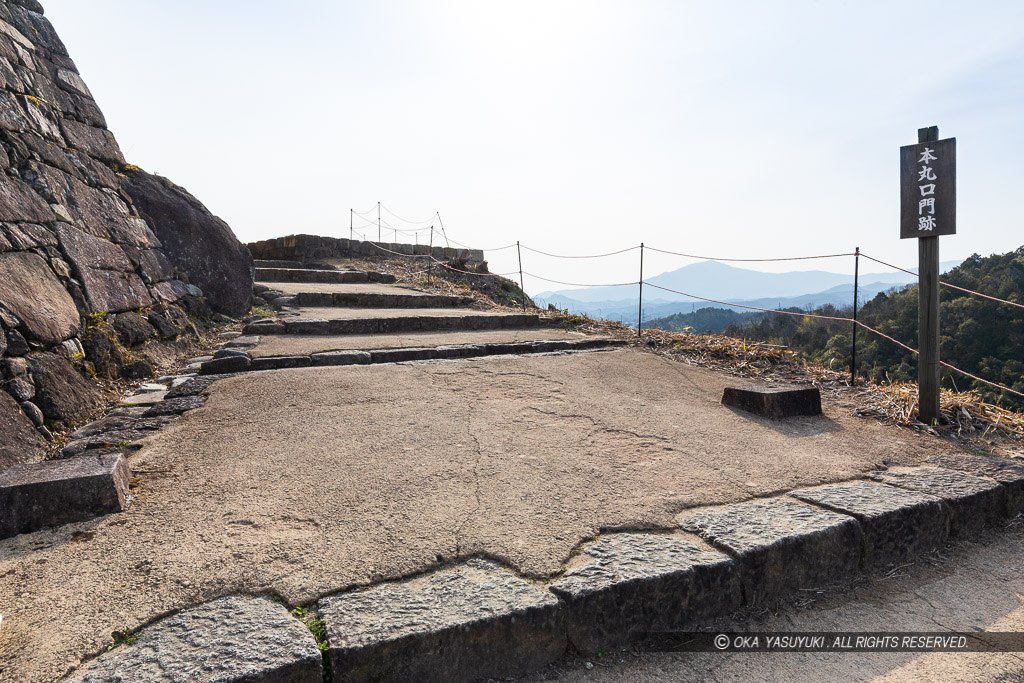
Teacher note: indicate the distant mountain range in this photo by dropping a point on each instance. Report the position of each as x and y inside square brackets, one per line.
[713, 280]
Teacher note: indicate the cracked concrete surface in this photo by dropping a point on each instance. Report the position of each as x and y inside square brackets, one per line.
[309, 481]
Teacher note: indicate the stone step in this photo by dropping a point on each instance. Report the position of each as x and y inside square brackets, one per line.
[37, 495]
[391, 325]
[230, 639]
[263, 263]
[380, 300]
[242, 363]
[314, 275]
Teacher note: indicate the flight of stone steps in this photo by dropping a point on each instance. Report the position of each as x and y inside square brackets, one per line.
[342, 317]
[322, 300]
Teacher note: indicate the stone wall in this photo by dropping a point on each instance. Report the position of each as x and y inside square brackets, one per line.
[74, 245]
[310, 247]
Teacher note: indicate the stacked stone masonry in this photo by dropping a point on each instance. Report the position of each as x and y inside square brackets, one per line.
[308, 247]
[77, 243]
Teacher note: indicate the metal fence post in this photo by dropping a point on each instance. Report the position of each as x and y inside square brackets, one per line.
[853, 350]
[640, 310]
[522, 287]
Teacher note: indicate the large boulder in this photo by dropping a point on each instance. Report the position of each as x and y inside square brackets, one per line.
[30, 290]
[21, 442]
[61, 392]
[197, 243]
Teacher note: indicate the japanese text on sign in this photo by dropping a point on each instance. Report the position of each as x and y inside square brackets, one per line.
[928, 189]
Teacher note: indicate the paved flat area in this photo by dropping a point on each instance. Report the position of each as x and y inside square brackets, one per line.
[291, 288]
[331, 313]
[303, 345]
[305, 482]
[972, 586]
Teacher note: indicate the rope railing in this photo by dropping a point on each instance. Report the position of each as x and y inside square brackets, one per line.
[590, 256]
[945, 284]
[580, 284]
[749, 260]
[856, 323]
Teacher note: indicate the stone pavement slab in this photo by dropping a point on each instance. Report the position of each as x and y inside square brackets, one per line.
[624, 585]
[975, 501]
[304, 345]
[231, 639]
[307, 482]
[780, 544]
[1009, 473]
[898, 524]
[473, 621]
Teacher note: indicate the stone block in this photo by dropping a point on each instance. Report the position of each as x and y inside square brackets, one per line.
[267, 326]
[340, 358]
[132, 328]
[19, 203]
[780, 544]
[220, 366]
[195, 387]
[518, 320]
[61, 392]
[111, 290]
[476, 620]
[29, 290]
[975, 501]
[402, 355]
[96, 142]
[382, 278]
[897, 524]
[87, 251]
[1009, 473]
[625, 585]
[314, 299]
[174, 406]
[243, 342]
[36, 495]
[306, 326]
[774, 400]
[20, 442]
[233, 639]
[280, 362]
[460, 351]
[353, 326]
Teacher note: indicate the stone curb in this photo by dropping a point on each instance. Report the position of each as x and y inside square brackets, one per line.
[230, 639]
[624, 585]
[478, 619]
[780, 544]
[974, 501]
[412, 323]
[376, 300]
[355, 357]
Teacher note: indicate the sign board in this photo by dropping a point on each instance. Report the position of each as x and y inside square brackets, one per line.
[928, 189]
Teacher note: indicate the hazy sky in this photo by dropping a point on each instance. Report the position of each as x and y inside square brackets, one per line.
[740, 129]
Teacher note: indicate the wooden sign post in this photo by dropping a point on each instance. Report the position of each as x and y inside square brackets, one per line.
[927, 210]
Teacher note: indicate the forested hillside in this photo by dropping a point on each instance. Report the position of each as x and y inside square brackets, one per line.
[980, 336]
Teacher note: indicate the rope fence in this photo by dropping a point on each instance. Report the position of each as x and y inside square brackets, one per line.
[641, 283]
